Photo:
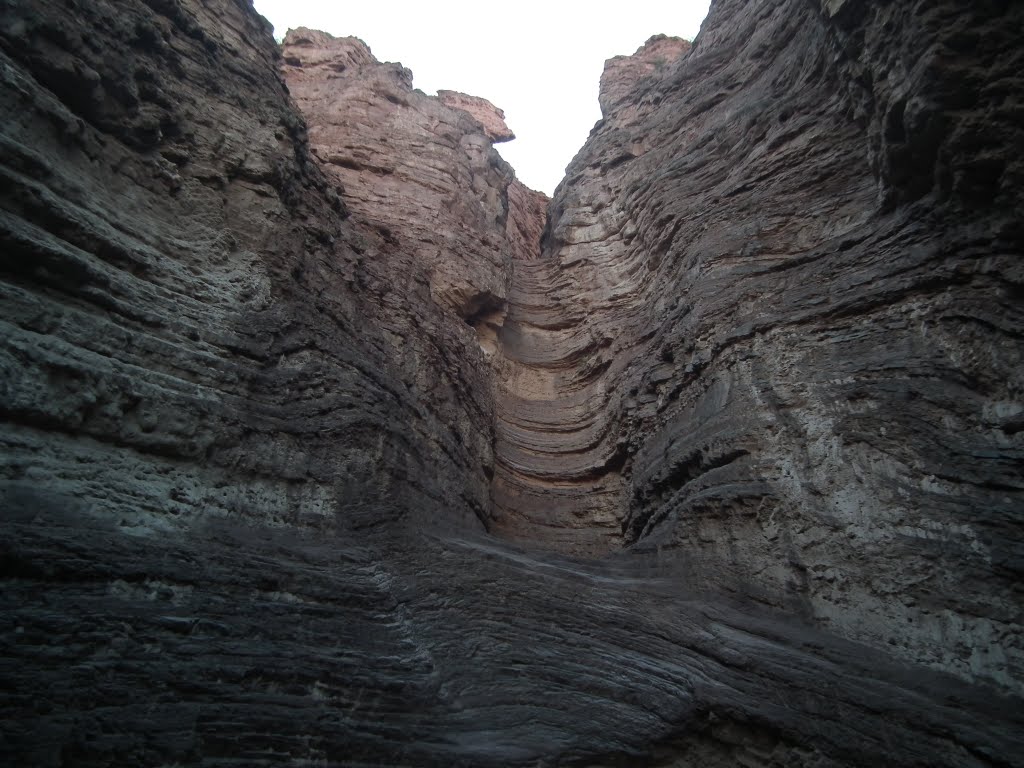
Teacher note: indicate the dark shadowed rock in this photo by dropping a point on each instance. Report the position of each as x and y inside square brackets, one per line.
[751, 344]
[331, 446]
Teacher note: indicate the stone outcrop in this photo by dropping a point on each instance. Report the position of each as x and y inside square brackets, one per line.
[210, 252]
[623, 76]
[327, 445]
[488, 115]
[419, 171]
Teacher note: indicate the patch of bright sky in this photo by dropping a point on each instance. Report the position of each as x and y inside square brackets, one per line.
[538, 61]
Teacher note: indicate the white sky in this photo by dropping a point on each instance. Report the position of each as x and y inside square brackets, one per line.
[538, 61]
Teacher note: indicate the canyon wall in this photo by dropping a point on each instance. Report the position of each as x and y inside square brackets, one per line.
[324, 442]
[186, 289]
[775, 330]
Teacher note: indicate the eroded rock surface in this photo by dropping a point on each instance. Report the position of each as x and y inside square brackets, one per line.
[421, 172]
[623, 76]
[776, 327]
[264, 391]
[488, 115]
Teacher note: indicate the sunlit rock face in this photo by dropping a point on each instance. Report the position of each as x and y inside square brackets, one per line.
[327, 442]
[419, 170]
[488, 115]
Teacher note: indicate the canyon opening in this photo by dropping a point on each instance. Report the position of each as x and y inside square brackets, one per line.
[328, 441]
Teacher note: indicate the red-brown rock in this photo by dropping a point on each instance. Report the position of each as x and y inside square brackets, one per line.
[419, 170]
[488, 115]
[624, 75]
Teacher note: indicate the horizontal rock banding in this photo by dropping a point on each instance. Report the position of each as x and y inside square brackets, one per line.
[773, 338]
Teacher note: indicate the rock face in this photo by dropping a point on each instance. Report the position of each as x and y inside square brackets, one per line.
[775, 329]
[328, 446]
[488, 115]
[175, 224]
[623, 76]
[420, 172]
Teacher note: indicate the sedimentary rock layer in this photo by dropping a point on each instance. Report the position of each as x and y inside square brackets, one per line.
[419, 170]
[766, 364]
[182, 289]
[776, 326]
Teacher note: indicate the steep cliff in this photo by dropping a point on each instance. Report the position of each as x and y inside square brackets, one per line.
[306, 430]
[183, 289]
[205, 356]
[776, 329]
[421, 171]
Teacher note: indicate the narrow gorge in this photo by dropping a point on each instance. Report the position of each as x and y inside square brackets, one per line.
[326, 441]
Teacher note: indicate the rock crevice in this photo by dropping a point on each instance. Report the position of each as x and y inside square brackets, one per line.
[326, 441]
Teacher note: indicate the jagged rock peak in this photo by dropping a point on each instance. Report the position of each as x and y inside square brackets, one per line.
[622, 74]
[313, 46]
[489, 116]
[306, 47]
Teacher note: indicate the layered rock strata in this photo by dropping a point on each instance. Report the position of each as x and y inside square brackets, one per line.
[559, 475]
[623, 75]
[175, 223]
[421, 171]
[766, 364]
[488, 115]
[775, 332]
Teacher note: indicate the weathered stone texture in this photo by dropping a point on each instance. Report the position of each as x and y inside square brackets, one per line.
[744, 432]
[776, 329]
[191, 296]
[623, 76]
[422, 174]
[488, 115]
